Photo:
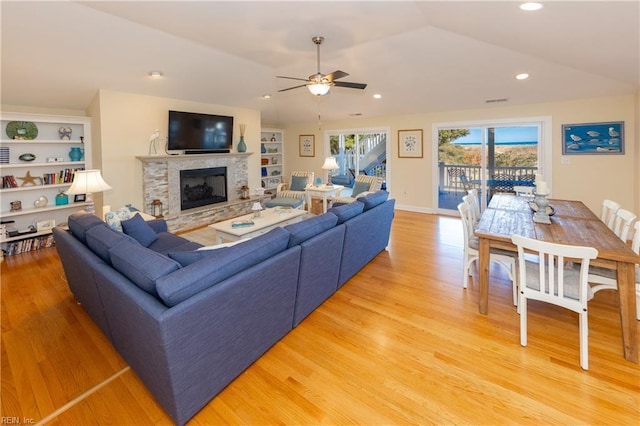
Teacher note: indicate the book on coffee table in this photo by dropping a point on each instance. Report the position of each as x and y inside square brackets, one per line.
[241, 223]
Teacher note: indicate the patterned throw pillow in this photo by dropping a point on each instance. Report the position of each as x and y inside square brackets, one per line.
[113, 219]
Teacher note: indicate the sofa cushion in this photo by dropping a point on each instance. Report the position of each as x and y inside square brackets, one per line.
[137, 228]
[199, 276]
[346, 211]
[168, 242]
[141, 265]
[302, 231]
[374, 199]
[186, 258]
[101, 238]
[298, 183]
[360, 187]
[80, 223]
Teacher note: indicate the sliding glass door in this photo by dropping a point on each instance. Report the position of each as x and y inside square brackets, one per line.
[358, 152]
[493, 157]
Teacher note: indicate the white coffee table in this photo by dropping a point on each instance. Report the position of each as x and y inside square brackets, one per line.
[269, 219]
[321, 191]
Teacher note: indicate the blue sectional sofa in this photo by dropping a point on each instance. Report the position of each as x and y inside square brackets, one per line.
[189, 320]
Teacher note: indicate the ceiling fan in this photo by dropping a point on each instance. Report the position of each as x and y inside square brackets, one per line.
[319, 84]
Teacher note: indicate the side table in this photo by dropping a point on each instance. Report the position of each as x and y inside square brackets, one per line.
[321, 191]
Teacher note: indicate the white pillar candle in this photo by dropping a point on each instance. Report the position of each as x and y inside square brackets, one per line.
[539, 177]
[542, 188]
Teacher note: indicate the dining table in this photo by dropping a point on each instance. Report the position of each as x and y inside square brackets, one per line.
[573, 223]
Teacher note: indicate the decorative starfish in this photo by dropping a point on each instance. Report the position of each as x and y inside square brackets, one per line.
[28, 179]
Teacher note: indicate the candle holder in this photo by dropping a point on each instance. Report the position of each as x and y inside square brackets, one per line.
[541, 203]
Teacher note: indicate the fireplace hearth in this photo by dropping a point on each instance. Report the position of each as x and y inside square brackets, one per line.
[202, 187]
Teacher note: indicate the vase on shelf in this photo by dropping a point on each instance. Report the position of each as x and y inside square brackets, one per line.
[242, 147]
[263, 149]
[76, 153]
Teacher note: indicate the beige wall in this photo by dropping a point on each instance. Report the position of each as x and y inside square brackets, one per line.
[127, 120]
[123, 122]
[589, 178]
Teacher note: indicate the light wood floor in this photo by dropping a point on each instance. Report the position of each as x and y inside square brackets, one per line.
[400, 343]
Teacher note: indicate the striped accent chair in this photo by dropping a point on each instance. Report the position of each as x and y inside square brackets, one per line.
[295, 187]
[362, 186]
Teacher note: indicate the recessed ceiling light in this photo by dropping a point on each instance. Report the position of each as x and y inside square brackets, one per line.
[156, 75]
[266, 96]
[522, 76]
[531, 6]
[377, 96]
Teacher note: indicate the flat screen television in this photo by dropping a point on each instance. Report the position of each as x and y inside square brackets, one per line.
[196, 133]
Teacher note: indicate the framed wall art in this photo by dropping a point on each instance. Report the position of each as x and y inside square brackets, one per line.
[307, 146]
[410, 143]
[593, 138]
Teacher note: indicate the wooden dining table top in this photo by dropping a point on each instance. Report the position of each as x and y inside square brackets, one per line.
[572, 223]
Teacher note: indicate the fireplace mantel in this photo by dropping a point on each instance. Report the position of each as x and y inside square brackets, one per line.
[160, 181]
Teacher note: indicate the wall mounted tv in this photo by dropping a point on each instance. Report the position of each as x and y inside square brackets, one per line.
[196, 133]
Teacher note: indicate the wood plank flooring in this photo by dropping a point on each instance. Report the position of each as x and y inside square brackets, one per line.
[401, 343]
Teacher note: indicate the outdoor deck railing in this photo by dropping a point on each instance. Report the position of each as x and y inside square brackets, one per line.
[450, 174]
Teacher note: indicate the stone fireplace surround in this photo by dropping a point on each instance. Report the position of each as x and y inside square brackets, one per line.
[161, 180]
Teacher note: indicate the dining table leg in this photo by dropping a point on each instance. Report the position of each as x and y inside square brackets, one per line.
[627, 299]
[484, 253]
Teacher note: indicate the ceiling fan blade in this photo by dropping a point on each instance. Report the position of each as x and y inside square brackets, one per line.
[292, 78]
[335, 75]
[290, 88]
[349, 85]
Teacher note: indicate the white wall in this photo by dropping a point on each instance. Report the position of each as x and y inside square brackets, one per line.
[589, 178]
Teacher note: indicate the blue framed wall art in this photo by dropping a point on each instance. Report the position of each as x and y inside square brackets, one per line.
[593, 138]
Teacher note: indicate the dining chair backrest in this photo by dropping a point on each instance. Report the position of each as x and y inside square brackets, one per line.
[622, 223]
[635, 242]
[609, 209]
[475, 201]
[553, 281]
[466, 215]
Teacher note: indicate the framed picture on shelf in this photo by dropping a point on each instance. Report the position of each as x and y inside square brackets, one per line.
[410, 143]
[307, 146]
[80, 198]
[593, 138]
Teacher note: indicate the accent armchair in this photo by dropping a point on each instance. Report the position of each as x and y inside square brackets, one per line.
[295, 187]
[362, 186]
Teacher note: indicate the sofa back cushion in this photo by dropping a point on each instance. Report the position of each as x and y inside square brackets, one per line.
[80, 223]
[302, 231]
[374, 199]
[101, 238]
[140, 264]
[222, 264]
[346, 211]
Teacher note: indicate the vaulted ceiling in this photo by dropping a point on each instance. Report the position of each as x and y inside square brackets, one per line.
[421, 56]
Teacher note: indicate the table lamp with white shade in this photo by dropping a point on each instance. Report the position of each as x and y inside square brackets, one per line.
[329, 165]
[87, 182]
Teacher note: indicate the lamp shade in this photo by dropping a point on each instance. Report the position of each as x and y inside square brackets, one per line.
[256, 206]
[87, 182]
[319, 89]
[330, 164]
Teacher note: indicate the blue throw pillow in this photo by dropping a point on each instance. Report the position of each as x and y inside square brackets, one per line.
[298, 183]
[360, 187]
[137, 228]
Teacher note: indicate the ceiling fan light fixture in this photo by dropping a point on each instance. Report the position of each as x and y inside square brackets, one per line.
[319, 89]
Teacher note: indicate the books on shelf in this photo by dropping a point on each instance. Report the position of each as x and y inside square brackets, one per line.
[241, 223]
[63, 176]
[28, 244]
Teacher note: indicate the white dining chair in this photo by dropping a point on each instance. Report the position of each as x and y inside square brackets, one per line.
[504, 258]
[550, 281]
[474, 199]
[523, 191]
[609, 209]
[606, 279]
[622, 223]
